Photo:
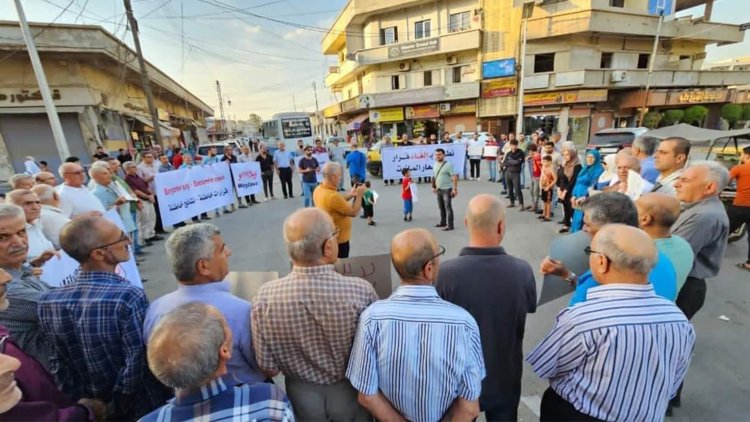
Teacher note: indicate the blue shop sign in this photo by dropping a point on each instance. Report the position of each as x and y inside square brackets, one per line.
[499, 68]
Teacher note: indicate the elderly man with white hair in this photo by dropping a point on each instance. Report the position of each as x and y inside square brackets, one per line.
[629, 180]
[53, 219]
[45, 178]
[75, 198]
[111, 196]
[327, 198]
[21, 181]
[40, 248]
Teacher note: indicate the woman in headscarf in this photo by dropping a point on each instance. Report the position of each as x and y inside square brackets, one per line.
[610, 172]
[587, 178]
[566, 180]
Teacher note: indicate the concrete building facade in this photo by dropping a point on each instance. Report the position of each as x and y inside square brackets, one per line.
[96, 87]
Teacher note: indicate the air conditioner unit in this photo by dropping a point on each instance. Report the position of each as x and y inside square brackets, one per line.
[451, 59]
[618, 76]
[404, 66]
[444, 107]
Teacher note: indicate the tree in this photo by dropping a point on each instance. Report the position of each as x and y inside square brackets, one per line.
[651, 119]
[731, 113]
[746, 112]
[671, 117]
[695, 114]
[255, 120]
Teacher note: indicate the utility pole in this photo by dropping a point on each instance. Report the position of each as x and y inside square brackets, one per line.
[528, 10]
[294, 102]
[652, 59]
[41, 79]
[317, 111]
[221, 109]
[145, 81]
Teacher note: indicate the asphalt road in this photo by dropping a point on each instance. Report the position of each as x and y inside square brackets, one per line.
[717, 386]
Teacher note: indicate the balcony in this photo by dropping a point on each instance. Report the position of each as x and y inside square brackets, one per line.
[633, 78]
[592, 21]
[444, 44]
[342, 75]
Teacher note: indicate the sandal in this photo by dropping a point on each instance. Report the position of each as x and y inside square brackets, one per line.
[564, 230]
[744, 265]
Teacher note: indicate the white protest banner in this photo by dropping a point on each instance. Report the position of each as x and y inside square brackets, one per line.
[62, 270]
[185, 193]
[475, 150]
[322, 159]
[246, 178]
[490, 151]
[419, 159]
[414, 192]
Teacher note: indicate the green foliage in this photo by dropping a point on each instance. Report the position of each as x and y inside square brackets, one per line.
[746, 112]
[651, 119]
[695, 114]
[671, 117]
[731, 113]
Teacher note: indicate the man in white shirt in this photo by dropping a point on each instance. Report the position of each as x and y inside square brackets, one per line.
[147, 170]
[40, 248]
[32, 168]
[53, 219]
[75, 198]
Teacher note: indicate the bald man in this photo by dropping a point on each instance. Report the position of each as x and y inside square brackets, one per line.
[629, 180]
[303, 324]
[499, 292]
[45, 178]
[657, 212]
[414, 342]
[75, 198]
[623, 353]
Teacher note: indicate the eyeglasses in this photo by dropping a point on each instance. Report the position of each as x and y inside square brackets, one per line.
[588, 251]
[123, 238]
[334, 234]
[441, 248]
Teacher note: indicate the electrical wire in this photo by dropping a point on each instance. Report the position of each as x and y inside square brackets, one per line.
[34, 36]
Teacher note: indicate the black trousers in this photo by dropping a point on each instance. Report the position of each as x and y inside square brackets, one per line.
[514, 187]
[285, 175]
[445, 204]
[267, 177]
[344, 250]
[690, 300]
[158, 227]
[555, 408]
[737, 216]
[474, 164]
[567, 209]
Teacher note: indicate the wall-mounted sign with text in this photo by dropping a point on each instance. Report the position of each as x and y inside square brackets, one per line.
[499, 68]
[393, 114]
[499, 88]
[413, 48]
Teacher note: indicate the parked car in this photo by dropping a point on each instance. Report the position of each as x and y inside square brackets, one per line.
[203, 148]
[329, 141]
[610, 141]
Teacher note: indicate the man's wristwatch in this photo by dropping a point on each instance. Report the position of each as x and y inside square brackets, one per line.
[571, 278]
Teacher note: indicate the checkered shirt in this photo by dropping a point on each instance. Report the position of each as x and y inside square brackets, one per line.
[304, 323]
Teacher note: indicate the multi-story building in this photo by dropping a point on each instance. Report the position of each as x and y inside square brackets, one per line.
[405, 66]
[587, 63]
[96, 86]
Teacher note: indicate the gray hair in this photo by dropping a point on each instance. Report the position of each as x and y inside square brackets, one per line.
[45, 193]
[129, 164]
[183, 348]
[607, 244]
[568, 145]
[8, 211]
[64, 166]
[309, 248]
[646, 144]
[18, 178]
[611, 208]
[80, 236]
[717, 173]
[330, 168]
[188, 245]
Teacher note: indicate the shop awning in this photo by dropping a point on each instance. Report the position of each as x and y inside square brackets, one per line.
[356, 123]
[164, 129]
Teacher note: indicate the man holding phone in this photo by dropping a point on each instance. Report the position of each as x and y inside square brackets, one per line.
[327, 198]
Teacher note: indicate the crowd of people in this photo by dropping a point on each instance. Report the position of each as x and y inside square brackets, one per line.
[647, 234]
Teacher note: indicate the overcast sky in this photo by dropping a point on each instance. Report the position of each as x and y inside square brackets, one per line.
[266, 63]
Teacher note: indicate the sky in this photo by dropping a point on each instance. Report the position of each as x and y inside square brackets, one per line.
[266, 53]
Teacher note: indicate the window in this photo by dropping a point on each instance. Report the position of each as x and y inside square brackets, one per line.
[422, 29]
[457, 75]
[389, 35]
[544, 63]
[459, 22]
[428, 78]
[606, 61]
[395, 83]
[617, 3]
[643, 61]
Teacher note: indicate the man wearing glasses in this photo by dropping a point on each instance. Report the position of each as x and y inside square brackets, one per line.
[303, 324]
[96, 324]
[75, 198]
[416, 356]
[45, 178]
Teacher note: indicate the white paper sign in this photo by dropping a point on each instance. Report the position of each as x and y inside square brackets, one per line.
[475, 150]
[63, 270]
[414, 192]
[419, 159]
[246, 178]
[490, 151]
[322, 159]
[185, 193]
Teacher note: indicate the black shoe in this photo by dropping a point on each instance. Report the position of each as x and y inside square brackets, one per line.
[447, 229]
[440, 225]
[409, 218]
[405, 218]
[291, 196]
[243, 206]
[205, 218]
[141, 253]
[147, 243]
[371, 223]
[144, 280]
[256, 202]
[362, 216]
[564, 230]
[504, 192]
[155, 239]
[512, 205]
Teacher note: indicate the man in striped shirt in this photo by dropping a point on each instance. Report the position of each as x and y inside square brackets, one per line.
[621, 354]
[416, 356]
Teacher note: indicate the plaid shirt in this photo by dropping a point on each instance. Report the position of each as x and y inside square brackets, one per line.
[23, 293]
[221, 400]
[304, 323]
[96, 327]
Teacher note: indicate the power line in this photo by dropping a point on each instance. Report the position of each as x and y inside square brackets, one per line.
[9, 55]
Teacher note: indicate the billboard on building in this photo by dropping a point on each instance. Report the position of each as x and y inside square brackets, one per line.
[296, 127]
[499, 88]
[499, 68]
[661, 7]
[393, 114]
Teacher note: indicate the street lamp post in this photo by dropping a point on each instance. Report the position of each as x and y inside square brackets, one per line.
[528, 9]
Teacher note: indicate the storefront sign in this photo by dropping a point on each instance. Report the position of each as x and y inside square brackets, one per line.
[563, 97]
[296, 127]
[25, 97]
[413, 48]
[332, 110]
[462, 91]
[423, 111]
[393, 114]
[499, 68]
[698, 97]
[459, 107]
[350, 105]
[499, 88]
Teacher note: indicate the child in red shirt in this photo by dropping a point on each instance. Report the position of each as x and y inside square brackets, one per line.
[406, 194]
[535, 161]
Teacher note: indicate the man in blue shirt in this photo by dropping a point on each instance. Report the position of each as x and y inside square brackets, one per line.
[199, 259]
[416, 356]
[643, 149]
[283, 160]
[357, 164]
[190, 351]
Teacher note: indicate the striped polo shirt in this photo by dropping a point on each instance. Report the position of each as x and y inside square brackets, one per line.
[619, 356]
[420, 351]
